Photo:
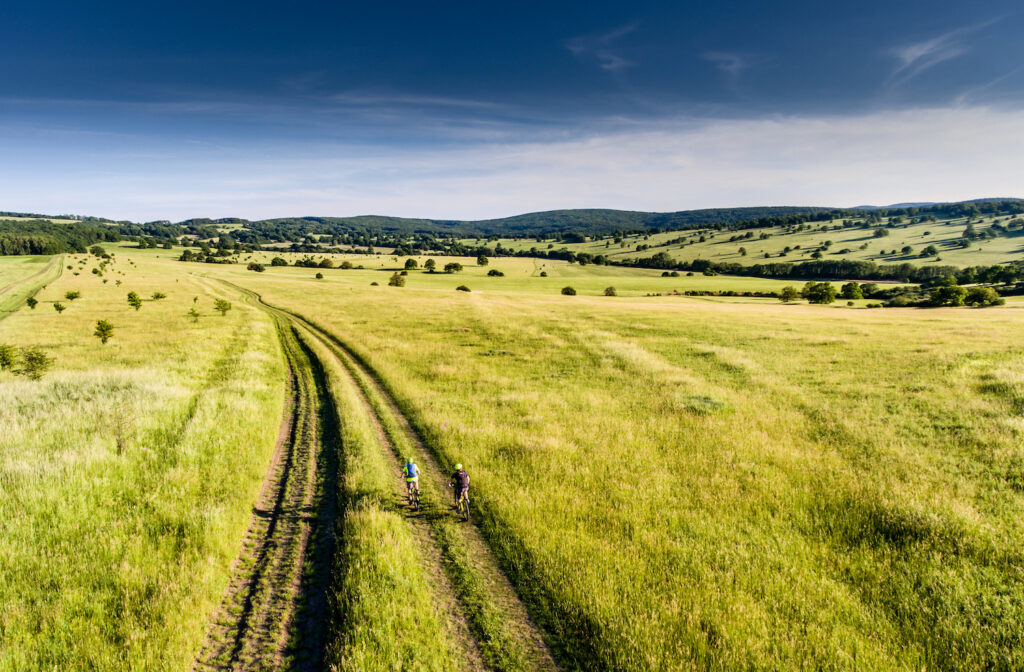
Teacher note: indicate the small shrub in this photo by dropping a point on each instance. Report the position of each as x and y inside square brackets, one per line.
[568, 291]
[374, 284]
[789, 293]
[452, 267]
[495, 273]
[253, 266]
[194, 314]
[8, 355]
[319, 276]
[222, 306]
[34, 362]
[31, 302]
[462, 288]
[59, 307]
[278, 261]
[72, 295]
[159, 295]
[610, 291]
[482, 260]
[396, 280]
[543, 274]
[347, 265]
[104, 331]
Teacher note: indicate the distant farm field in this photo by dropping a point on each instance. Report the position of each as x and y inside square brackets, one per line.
[659, 482]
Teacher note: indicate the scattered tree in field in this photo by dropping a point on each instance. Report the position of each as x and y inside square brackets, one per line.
[411, 264]
[788, 294]
[59, 307]
[543, 274]
[253, 266]
[819, 292]
[72, 295]
[495, 273]
[906, 249]
[950, 295]
[452, 267]
[610, 291]
[117, 282]
[743, 251]
[195, 299]
[194, 314]
[222, 306]
[482, 260]
[319, 276]
[568, 291]
[104, 331]
[374, 284]
[930, 251]
[8, 355]
[278, 261]
[134, 300]
[851, 290]
[31, 302]
[34, 362]
[430, 265]
[346, 265]
[159, 295]
[396, 280]
[462, 288]
[983, 296]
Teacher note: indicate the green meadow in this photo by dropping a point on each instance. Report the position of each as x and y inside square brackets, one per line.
[666, 482]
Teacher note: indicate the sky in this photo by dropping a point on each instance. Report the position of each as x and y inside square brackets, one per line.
[467, 110]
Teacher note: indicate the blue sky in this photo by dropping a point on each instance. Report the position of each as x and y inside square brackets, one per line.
[166, 110]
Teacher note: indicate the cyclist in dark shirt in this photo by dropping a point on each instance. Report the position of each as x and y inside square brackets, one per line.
[460, 481]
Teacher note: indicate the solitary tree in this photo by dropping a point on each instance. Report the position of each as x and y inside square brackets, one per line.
[568, 291]
[452, 267]
[31, 302]
[396, 280]
[411, 264]
[104, 330]
[222, 306]
[319, 276]
[159, 295]
[72, 295]
[134, 300]
[430, 265]
[482, 260]
[59, 307]
[194, 314]
[789, 293]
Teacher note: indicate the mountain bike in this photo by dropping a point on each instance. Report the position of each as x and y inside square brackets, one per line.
[462, 505]
[414, 496]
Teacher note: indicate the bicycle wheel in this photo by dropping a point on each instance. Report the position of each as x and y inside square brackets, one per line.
[465, 509]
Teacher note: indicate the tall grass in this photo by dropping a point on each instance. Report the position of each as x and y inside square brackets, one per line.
[690, 485]
[128, 473]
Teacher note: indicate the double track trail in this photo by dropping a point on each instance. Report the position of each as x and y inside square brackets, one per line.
[260, 626]
[271, 616]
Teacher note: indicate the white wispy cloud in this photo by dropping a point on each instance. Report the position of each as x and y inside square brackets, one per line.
[914, 58]
[602, 48]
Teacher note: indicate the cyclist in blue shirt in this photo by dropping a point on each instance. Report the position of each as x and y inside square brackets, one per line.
[412, 477]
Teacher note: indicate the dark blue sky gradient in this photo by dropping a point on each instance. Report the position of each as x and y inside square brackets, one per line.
[89, 78]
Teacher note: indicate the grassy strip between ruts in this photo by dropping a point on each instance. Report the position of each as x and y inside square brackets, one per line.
[501, 649]
[383, 611]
